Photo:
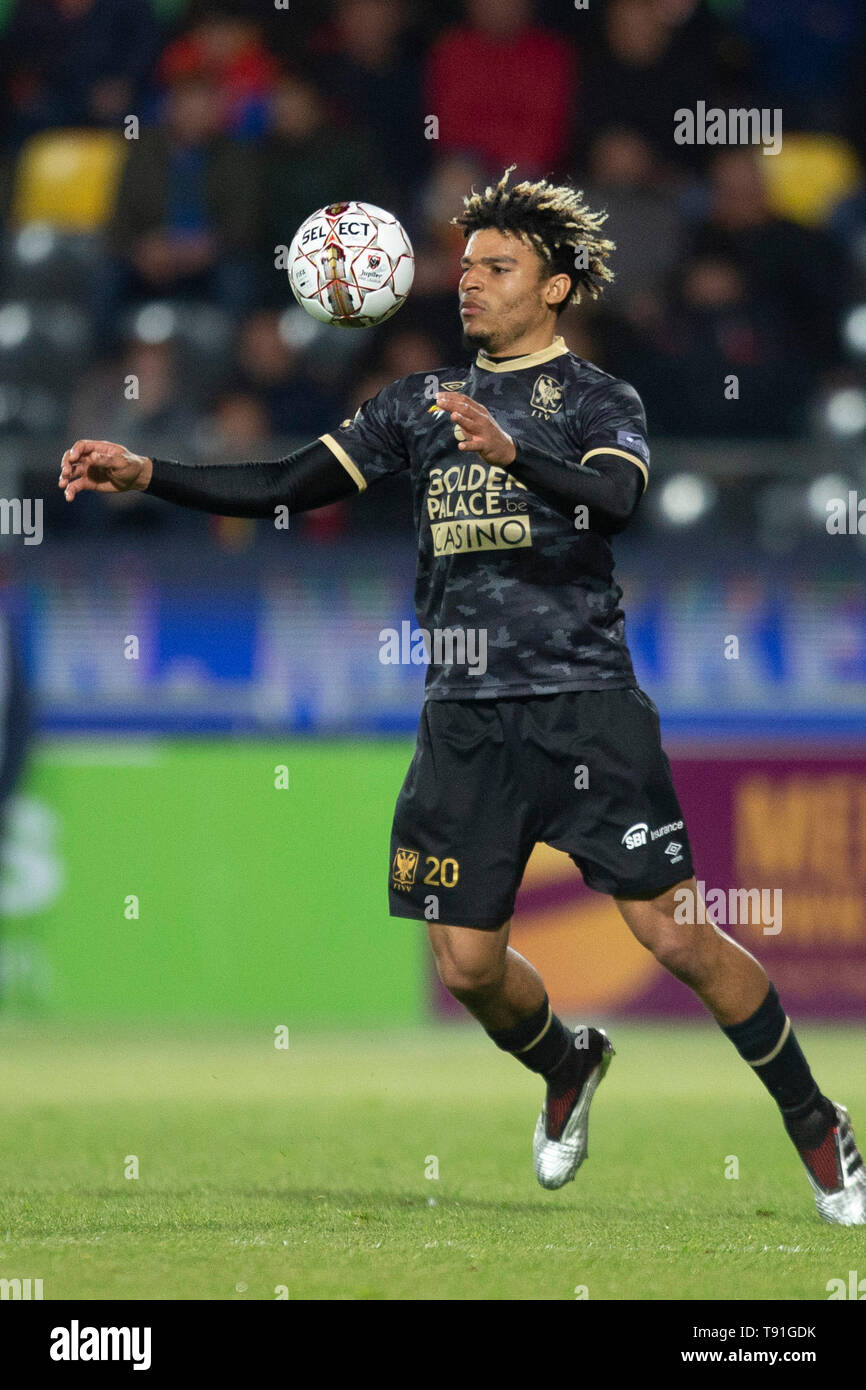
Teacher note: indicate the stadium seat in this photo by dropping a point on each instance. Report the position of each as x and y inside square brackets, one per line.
[200, 333]
[29, 412]
[41, 262]
[68, 179]
[43, 344]
[809, 176]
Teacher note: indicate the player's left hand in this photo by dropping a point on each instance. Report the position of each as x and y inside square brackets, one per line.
[476, 430]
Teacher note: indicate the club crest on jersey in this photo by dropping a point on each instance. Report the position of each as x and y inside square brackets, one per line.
[405, 867]
[546, 398]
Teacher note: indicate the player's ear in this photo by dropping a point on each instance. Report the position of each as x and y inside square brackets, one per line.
[558, 290]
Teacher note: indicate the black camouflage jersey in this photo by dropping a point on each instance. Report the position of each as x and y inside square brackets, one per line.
[512, 598]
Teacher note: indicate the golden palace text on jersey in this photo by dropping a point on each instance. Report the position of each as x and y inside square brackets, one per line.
[530, 590]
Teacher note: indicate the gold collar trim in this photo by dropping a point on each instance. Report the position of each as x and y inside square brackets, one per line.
[516, 364]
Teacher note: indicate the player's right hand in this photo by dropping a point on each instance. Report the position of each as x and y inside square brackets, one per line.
[95, 465]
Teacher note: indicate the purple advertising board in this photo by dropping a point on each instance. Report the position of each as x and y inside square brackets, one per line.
[779, 843]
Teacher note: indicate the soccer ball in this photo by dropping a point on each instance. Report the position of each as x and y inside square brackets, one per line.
[351, 264]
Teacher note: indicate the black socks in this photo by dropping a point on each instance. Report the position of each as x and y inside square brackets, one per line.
[541, 1042]
[544, 1045]
[767, 1042]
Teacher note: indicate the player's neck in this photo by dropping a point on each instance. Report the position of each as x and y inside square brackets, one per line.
[524, 346]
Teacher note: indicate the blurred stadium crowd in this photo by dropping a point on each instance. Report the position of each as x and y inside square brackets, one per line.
[139, 298]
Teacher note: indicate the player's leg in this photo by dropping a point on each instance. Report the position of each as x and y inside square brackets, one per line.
[459, 844]
[736, 990]
[627, 835]
[464, 826]
[506, 994]
[488, 977]
[722, 973]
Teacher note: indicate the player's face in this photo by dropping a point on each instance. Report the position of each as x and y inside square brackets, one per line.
[504, 295]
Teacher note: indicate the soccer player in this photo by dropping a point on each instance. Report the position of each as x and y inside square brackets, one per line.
[523, 465]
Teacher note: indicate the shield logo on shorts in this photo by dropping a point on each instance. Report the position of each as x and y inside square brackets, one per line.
[404, 868]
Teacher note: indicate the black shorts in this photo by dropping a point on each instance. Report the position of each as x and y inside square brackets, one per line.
[583, 771]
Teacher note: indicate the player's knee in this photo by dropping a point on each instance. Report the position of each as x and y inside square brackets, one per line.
[469, 978]
[681, 953]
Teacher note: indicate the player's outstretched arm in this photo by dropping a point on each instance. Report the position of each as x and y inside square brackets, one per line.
[308, 478]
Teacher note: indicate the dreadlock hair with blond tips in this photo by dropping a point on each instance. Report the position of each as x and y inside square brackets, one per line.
[554, 220]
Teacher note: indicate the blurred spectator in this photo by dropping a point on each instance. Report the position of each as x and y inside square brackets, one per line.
[138, 401]
[76, 62]
[404, 350]
[648, 60]
[200, 215]
[237, 429]
[718, 363]
[440, 244]
[852, 102]
[502, 88]
[438, 248]
[848, 226]
[225, 46]
[362, 61]
[186, 215]
[643, 215]
[272, 368]
[797, 271]
[582, 336]
[307, 167]
[803, 52]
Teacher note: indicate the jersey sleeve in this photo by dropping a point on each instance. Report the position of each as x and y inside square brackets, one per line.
[372, 445]
[611, 420]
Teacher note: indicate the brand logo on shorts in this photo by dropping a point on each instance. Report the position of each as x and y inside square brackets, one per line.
[404, 869]
[640, 834]
[636, 835]
[666, 830]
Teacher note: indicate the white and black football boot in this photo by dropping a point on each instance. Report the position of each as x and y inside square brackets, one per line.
[836, 1173]
[561, 1138]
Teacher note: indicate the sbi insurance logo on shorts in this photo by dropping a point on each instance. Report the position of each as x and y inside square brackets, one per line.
[640, 834]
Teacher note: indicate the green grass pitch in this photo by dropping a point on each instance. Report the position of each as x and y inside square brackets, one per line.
[304, 1169]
